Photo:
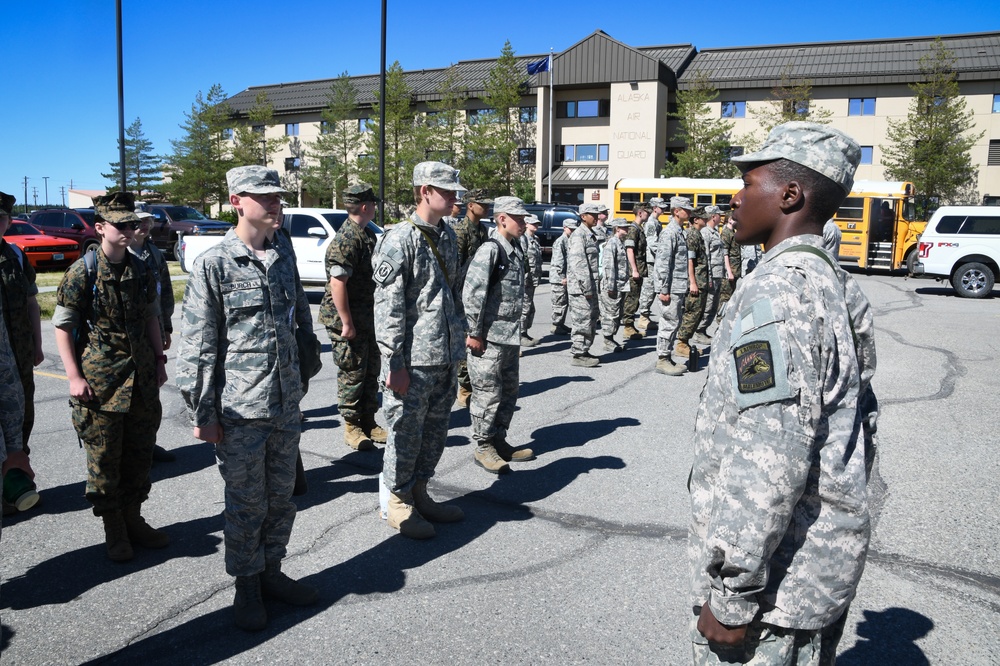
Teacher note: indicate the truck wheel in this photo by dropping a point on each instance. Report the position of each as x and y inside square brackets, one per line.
[911, 260]
[90, 245]
[973, 280]
[178, 249]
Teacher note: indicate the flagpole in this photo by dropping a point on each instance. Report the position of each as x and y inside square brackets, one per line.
[551, 126]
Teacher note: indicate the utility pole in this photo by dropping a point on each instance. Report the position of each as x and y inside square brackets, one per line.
[121, 96]
[34, 192]
[25, 195]
[62, 191]
[46, 179]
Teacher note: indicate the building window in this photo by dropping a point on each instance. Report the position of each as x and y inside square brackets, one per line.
[525, 155]
[734, 109]
[291, 129]
[365, 159]
[602, 152]
[866, 154]
[364, 125]
[993, 158]
[734, 151]
[476, 116]
[259, 129]
[588, 108]
[227, 134]
[861, 106]
[325, 127]
[586, 152]
[529, 114]
[292, 164]
[799, 106]
[565, 153]
[996, 103]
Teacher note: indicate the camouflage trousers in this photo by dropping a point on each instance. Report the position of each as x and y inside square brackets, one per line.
[11, 405]
[495, 382]
[711, 305]
[583, 315]
[646, 297]
[119, 450]
[257, 462]
[670, 321]
[26, 370]
[725, 293]
[417, 425]
[528, 308]
[632, 297]
[768, 645]
[560, 304]
[358, 362]
[611, 312]
[694, 308]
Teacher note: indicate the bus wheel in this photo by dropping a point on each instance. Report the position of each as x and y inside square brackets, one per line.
[911, 260]
[973, 280]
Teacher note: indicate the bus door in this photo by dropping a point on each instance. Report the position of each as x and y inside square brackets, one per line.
[850, 217]
[882, 222]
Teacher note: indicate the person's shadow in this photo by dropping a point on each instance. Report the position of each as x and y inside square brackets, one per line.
[889, 636]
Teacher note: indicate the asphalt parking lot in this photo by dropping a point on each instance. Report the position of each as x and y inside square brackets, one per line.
[578, 556]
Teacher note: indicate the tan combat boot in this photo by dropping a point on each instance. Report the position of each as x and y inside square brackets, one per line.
[116, 537]
[140, 532]
[375, 432]
[431, 510]
[355, 437]
[630, 333]
[464, 395]
[682, 349]
[642, 323]
[510, 454]
[487, 457]
[249, 613]
[403, 516]
[666, 366]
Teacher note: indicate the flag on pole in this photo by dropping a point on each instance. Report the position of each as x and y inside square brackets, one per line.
[539, 66]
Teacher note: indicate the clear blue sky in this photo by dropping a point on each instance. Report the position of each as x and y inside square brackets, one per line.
[58, 68]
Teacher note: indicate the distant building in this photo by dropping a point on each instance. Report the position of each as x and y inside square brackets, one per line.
[83, 198]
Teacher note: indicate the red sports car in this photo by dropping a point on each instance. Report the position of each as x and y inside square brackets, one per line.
[41, 250]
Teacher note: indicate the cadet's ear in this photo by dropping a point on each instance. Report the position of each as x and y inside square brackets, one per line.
[792, 196]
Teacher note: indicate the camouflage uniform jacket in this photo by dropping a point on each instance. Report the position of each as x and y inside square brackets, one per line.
[11, 398]
[532, 260]
[780, 522]
[636, 239]
[418, 312]
[17, 285]
[469, 235]
[350, 255]
[157, 265]
[652, 231]
[699, 253]
[615, 266]
[117, 360]
[730, 247]
[713, 243]
[237, 357]
[581, 263]
[670, 269]
[495, 316]
[557, 264]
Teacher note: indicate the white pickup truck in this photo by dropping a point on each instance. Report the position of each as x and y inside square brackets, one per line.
[311, 230]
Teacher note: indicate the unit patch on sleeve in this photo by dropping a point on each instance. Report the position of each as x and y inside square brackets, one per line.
[754, 367]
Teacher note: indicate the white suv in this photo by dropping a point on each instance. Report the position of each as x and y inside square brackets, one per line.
[312, 230]
[962, 244]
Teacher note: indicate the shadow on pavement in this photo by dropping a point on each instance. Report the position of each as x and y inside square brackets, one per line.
[889, 636]
[548, 384]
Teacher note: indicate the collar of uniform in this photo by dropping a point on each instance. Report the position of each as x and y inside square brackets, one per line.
[803, 239]
[435, 229]
[509, 248]
[237, 248]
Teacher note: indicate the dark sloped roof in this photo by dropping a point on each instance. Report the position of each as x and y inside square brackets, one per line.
[599, 59]
[842, 63]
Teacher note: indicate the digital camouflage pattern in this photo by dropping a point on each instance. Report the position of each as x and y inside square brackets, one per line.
[557, 273]
[636, 240]
[11, 399]
[532, 278]
[156, 264]
[831, 238]
[349, 255]
[17, 285]
[694, 305]
[780, 521]
[254, 179]
[582, 286]
[495, 384]
[771, 645]
[495, 315]
[437, 174]
[469, 235]
[671, 276]
[615, 278]
[731, 249]
[716, 272]
[651, 229]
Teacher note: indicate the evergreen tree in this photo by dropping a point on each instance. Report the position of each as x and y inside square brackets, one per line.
[249, 143]
[142, 167]
[332, 156]
[444, 121]
[197, 168]
[706, 139]
[930, 147]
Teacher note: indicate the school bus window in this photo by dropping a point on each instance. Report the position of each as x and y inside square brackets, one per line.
[629, 200]
[852, 209]
[722, 201]
[704, 200]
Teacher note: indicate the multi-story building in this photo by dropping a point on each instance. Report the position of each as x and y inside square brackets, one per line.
[603, 115]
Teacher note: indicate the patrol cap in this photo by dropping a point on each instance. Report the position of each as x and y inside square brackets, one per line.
[571, 223]
[701, 213]
[509, 205]
[357, 194]
[620, 222]
[644, 205]
[713, 210]
[254, 179]
[532, 219]
[657, 202]
[592, 208]
[437, 174]
[818, 147]
[478, 195]
[601, 208]
[6, 203]
[116, 207]
[681, 202]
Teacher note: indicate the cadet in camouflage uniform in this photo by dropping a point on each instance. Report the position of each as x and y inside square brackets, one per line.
[142, 248]
[420, 328]
[557, 278]
[470, 233]
[24, 333]
[732, 257]
[494, 287]
[614, 283]
[582, 285]
[635, 251]
[671, 275]
[698, 282]
[114, 379]
[238, 371]
[651, 228]
[348, 312]
[780, 523]
[532, 276]
[11, 406]
[716, 273]
[831, 239]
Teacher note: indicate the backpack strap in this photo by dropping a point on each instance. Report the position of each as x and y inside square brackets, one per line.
[822, 254]
[499, 266]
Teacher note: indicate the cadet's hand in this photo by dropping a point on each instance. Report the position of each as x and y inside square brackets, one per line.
[635, 275]
[166, 340]
[665, 299]
[39, 356]
[398, 381]
[564, 282]
[693, 290]
[211, 433]
[80, 389]
[347, 331]
[476, 345]
[716, 632]
[161, 371]
[612, 294]
[729, 276]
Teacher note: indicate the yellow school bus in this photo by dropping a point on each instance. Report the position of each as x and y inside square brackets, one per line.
[877, 220]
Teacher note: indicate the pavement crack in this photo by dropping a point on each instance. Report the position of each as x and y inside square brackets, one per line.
[954, 369]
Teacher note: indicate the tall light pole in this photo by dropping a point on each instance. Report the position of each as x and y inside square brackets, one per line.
[381, 125]
[121, 97]
[46, 179]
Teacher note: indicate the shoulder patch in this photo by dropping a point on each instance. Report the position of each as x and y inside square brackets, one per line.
[754, 367]
[385, 271]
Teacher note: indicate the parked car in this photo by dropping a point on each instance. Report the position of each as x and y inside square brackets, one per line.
[552, 217]
[41, 249]
[172, 223]
[73, 223]
[961, 244]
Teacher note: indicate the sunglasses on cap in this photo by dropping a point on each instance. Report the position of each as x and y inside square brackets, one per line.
[122, 226]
